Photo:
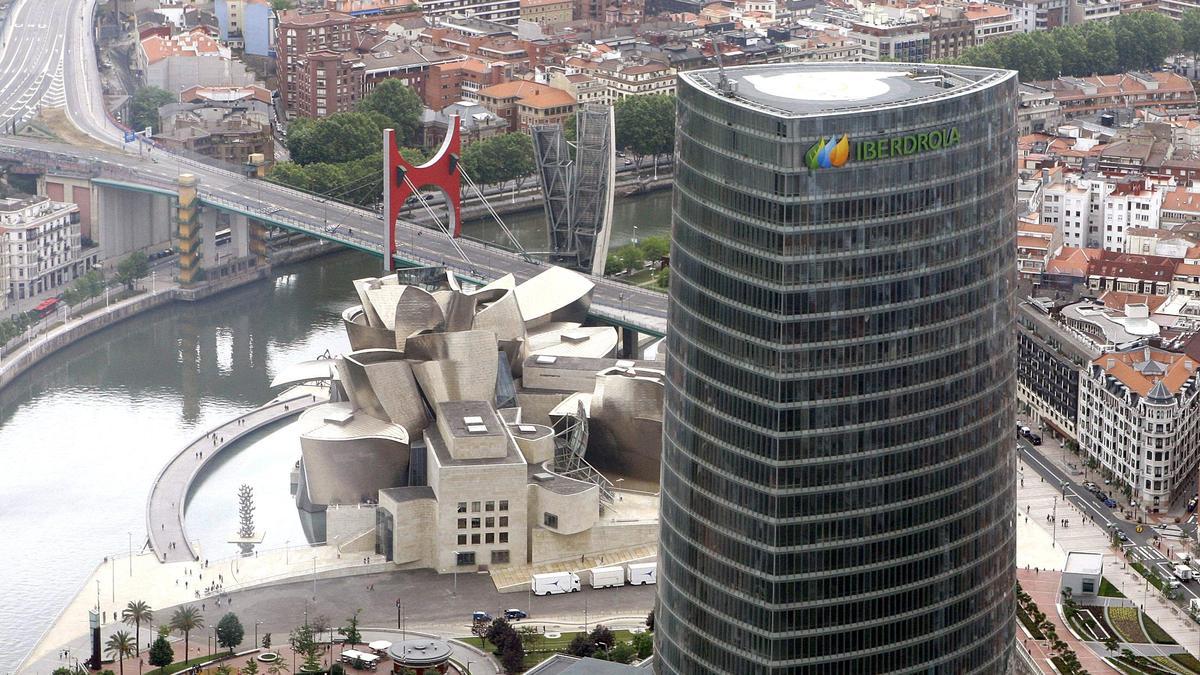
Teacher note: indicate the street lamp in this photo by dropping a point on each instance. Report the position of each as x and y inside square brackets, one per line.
[455, 593]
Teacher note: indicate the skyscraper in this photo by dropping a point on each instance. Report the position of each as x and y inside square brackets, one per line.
[837, 490]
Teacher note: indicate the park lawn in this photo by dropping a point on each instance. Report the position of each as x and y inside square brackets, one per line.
[1124, 620]
[1156, 632]
[543, 648]
[1187, 661]
[176, 667]
[1107, 590]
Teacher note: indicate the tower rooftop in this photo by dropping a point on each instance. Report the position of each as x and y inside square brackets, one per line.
[799, 90]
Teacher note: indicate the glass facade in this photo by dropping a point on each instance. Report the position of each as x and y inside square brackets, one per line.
[838, 469]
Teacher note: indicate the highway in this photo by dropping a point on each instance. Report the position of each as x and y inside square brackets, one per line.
[1140, 546]
[31, 65]
[71, 25]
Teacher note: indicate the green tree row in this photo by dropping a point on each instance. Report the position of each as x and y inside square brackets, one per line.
[1135, 41]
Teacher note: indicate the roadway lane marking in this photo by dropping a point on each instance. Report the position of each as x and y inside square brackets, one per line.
[1030, 454]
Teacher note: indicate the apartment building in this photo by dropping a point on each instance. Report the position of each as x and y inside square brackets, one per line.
[523, 104]
[547, 12]
[40, 245]
[297, 36]
[1129, 204]
[1138, 418]
[1087, 95]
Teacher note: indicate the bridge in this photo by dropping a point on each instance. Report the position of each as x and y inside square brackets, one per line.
[129, 187]
[115, 178]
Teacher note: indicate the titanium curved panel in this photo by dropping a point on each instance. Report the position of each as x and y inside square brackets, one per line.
[558, 294]
[454, 366]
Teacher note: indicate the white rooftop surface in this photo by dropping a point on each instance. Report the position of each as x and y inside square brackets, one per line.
[1080, 562]
[823, 88]
[590, 341]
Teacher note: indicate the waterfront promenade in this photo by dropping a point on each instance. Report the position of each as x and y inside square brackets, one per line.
[165, 508]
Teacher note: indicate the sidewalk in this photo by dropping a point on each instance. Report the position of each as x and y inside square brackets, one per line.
[1042, 546]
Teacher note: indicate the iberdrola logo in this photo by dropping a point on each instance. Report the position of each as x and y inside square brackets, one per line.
[828, 154]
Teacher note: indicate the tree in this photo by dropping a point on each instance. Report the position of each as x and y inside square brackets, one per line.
[134, 614]
[631, 257]
[622, 652]
[132, 268]
[499, 158]
[581, 646]
[281, 5]
[655, 247]
[612, 264]
[529, 635]
[224, 669]
[305, 644]
[266, 641]
[1189, 33]
[498, 632]
[399, 106]
[185, 620]
[340, 137]
[350, 631]
[650, 621]
[512, 653]
[230, 631]
[121, 645]
[161, 654]
[646, 124]
[251, 667]
[601, 635]
[643, 644]
[1111, 644]
[143, 107]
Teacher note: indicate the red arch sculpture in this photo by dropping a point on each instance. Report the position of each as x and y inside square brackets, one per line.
[441, 171]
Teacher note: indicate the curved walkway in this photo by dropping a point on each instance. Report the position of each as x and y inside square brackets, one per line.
[169, 492]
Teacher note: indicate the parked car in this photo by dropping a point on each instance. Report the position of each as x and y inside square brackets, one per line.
[1090, 486]
[1110, 503]
[514, 614]
[1191, 505]
[1035, 439]
[478, 617]
[1121, 536]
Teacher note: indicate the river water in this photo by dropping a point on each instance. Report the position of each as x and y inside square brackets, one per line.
[85, 432]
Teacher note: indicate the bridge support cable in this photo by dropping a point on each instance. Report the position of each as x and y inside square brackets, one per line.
[487, 205]
[441, 226]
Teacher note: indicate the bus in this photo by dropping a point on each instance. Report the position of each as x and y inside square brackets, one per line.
[47, 307]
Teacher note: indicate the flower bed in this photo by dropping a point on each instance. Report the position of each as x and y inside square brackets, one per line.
[1089, 622]
[1124, 620]
[1026, 621]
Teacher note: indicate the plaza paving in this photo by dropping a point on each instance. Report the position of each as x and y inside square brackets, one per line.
[1042, 546]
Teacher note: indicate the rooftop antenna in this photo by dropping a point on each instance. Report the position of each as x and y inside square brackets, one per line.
[724, 85]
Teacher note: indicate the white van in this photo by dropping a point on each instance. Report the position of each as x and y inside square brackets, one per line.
[554, 583]
[642, 573]
[607, 577]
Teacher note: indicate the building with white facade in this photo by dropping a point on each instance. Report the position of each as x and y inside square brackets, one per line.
[39, 246]
[1128, 205]
[1138, 419]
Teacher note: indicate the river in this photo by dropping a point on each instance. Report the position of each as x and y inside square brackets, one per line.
[110, 410]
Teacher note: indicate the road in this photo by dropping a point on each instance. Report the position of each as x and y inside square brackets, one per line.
[1140, 545]
[31, 65]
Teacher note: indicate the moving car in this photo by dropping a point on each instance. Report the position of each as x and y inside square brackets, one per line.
[1121, 536]
[514, 614]
[481, 616]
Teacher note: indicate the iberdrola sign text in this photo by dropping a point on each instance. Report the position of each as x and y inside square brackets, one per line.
[900, 146]
[833, 152]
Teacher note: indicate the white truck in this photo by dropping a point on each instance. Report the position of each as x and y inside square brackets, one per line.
[554, 583]
[607, 577]
[642, 573]
[1183, 573]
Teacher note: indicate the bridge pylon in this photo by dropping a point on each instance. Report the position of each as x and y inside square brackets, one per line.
[401, 180]
[188, 221]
